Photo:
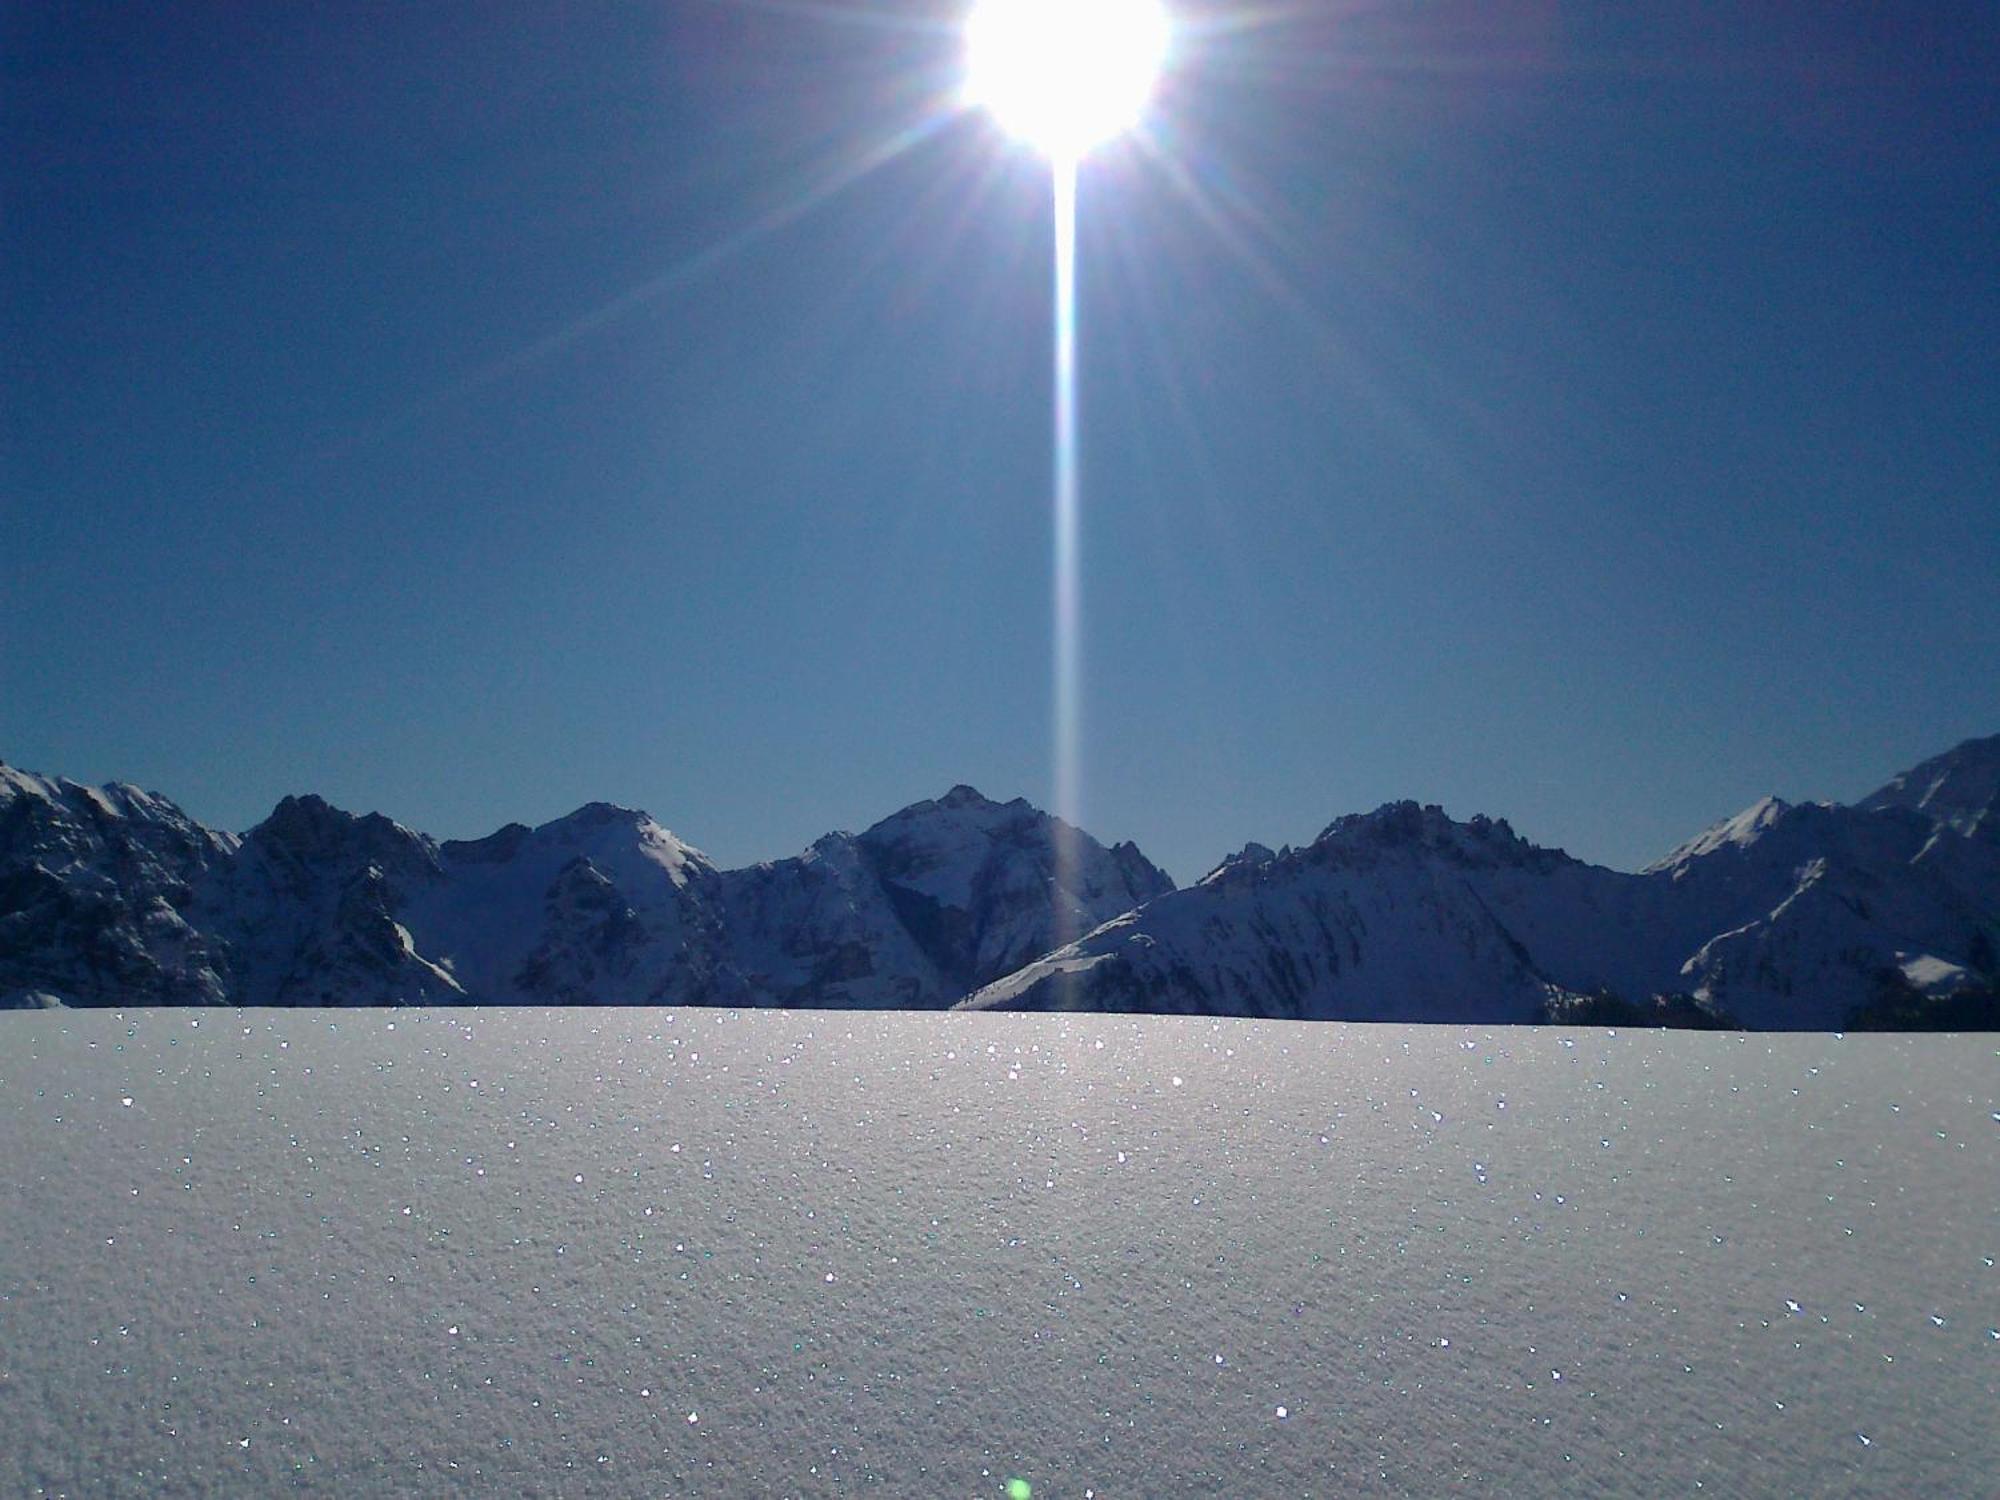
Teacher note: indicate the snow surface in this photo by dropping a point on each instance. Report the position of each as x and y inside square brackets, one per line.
[801, 1253]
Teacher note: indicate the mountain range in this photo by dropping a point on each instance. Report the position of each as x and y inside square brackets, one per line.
[1785, 916]
[114, 896]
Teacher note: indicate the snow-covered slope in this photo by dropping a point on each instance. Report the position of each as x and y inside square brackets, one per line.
[1960, 788]
[1385, 916]
[1820, 903]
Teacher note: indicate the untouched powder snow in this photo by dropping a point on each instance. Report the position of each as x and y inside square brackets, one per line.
[686, 1253]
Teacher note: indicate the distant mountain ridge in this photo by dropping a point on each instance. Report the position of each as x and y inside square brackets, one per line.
[113, 896]
[1783, 916]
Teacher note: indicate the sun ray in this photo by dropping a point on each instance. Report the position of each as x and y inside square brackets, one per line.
[1227, 233]
[868, 18]
[885, 149]
[963, 191]
[1068, 561]
[1065, 76]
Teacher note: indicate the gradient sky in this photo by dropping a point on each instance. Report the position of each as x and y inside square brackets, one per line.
[1588, 415]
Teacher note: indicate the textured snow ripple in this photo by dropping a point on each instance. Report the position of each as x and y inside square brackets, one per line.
[705, 1253]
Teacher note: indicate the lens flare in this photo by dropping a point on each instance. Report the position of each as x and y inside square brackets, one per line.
[1068, 566]
[1065, 75]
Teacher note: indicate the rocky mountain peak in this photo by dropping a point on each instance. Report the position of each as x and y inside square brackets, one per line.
[1251, 856]
[1422, 829]
[602, 815]
[311, 831]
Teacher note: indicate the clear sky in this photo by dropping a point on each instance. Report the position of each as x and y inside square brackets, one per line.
[1586, 414]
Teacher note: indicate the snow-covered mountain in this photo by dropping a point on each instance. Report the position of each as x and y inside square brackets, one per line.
[1785, 915]
[117, 897]
[601, 907]
[1782, 916]
[307, 912]
[96, 891]
[925, 906]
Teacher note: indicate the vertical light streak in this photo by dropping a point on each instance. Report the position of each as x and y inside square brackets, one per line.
[1068, 584]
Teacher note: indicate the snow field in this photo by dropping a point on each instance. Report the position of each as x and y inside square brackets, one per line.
[774, 1253]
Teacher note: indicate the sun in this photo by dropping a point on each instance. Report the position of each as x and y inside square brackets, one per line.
[1064, 75]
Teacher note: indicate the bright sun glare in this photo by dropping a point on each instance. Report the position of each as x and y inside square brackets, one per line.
[1064, 75]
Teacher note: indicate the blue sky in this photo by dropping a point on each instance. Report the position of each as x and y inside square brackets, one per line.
[468, 411]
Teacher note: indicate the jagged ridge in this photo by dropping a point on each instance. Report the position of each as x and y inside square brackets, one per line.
[1782, 916]
[116, 897]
